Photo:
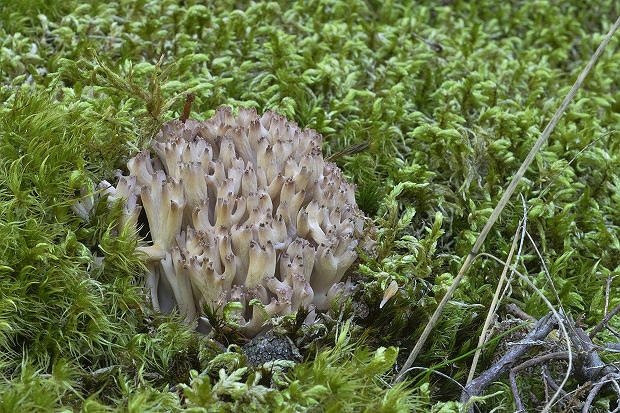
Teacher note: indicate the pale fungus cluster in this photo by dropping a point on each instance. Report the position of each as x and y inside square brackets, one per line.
[241, 209]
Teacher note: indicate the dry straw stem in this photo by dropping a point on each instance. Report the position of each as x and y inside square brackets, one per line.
[523, 224]
[561, 324]
[503, 201]
[492, 308]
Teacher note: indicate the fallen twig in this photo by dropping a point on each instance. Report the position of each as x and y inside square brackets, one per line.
[604, 321]
[592, 367]
[529, 363]
[561, 324]
[591, 372]
[550, 380]
[542, 328]
[516, 311]
[596, 388]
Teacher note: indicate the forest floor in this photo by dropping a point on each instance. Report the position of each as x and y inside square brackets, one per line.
[441, 101]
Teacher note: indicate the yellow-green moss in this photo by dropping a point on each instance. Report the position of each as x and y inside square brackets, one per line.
[82, 91]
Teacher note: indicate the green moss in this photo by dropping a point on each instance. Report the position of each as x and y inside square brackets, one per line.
[84, 85]
[347, 377]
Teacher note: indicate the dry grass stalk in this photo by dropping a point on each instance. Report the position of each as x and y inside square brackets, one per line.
[493, 307]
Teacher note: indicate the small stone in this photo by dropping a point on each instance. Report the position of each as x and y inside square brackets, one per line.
[269, 347]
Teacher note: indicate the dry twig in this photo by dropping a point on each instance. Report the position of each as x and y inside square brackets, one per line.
[591, 372]
[561, 323]
[516, 311]
[604, 321]
[596, 388]
[529, 363]
[542, 328]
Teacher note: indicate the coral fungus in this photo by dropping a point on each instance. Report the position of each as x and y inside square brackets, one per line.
[242, 209]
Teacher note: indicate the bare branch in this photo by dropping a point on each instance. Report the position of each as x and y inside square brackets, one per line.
[561, 323]
[596, 388]
[550, 380]
[604, 321]
[529, 363]
[516, 311]
[542, 328]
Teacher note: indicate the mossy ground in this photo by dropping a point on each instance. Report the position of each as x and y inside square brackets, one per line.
[447, 128]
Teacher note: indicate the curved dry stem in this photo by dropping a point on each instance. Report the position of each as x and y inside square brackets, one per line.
[546, 271]
[492, 307]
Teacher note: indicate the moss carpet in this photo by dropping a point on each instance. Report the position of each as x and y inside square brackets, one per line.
[440, 101]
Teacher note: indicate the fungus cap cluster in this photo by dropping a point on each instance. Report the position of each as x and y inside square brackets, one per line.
[241, 208]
